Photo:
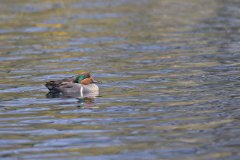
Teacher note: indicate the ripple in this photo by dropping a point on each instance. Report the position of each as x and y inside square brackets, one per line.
[11, 58]
[20, 89]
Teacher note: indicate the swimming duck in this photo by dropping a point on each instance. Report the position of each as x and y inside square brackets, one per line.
[83, 85]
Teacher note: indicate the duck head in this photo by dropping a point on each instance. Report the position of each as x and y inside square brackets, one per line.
[84, 78]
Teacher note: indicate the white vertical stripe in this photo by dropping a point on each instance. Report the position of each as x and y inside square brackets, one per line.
[81, 91]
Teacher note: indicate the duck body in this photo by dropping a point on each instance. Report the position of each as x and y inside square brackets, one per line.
[83, 85]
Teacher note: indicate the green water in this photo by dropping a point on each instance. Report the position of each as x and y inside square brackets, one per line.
[169, 71]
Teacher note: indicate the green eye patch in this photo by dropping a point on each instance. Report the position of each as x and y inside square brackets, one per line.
[80, 78]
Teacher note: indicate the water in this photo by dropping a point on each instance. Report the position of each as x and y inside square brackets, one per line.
[170, 71]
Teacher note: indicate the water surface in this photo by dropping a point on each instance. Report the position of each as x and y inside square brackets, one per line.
[170, 73]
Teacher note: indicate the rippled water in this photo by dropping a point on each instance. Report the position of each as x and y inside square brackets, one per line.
[170, 71]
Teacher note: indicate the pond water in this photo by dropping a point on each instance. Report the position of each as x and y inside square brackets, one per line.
[170, 74]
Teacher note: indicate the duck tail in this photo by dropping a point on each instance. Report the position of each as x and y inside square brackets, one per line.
[51, 85]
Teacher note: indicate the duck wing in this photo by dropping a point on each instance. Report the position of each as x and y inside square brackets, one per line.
[54, 86]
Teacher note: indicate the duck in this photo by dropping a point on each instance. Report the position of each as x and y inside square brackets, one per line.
[83, 85]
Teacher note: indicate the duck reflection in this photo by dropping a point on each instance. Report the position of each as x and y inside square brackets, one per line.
[72, 95]
[84, 101]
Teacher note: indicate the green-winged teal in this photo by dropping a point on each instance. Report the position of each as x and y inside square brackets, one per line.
[83, 85]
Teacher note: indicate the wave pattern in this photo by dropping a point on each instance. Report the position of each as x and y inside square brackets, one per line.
[170, 73]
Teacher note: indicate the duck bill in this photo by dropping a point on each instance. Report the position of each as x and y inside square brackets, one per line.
[94, 81]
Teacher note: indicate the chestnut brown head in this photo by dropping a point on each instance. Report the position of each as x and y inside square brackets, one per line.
[84, 78]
